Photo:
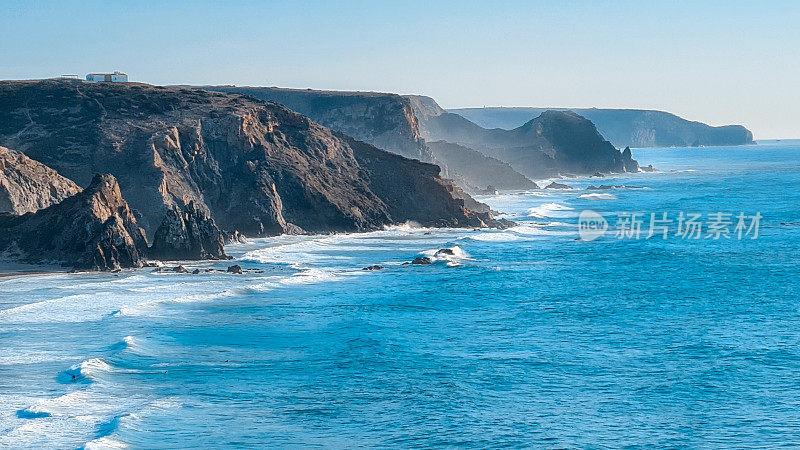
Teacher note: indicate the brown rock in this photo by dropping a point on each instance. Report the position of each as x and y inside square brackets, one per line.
[28, 186]
[93, 230]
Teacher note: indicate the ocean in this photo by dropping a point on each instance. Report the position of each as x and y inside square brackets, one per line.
[539, 335]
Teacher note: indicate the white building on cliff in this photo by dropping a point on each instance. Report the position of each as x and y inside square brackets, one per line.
[116, 77]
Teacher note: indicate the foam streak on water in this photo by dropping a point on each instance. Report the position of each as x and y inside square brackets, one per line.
[518, 337]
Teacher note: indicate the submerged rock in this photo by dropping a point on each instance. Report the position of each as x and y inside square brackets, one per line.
[180, 269]
[421, 261]
[555, 185]
[92, 230]
[235, 269]
[375, 267]
[444, 251]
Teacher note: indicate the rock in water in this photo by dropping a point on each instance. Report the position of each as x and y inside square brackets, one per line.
[373, 268]
[631, 165]
[235, 269]
[92, 230]
[648, 168]
[555, 185]
[28, 186]
[188, 234]
[421, 261]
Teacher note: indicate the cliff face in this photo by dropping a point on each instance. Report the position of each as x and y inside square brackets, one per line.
[251, 166]
[92, 230]
[552, 143]
[188, 234]
[476, 171]
[623, 127]
[386, 121]
[27, 185]
[411, 185]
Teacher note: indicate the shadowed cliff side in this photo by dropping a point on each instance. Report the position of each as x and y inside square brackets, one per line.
[410, 185]
[92, 230]
[623, 127]
[387, 121]
[476, 171]
[555, 142]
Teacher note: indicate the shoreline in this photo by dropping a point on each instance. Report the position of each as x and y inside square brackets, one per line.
[29, 273]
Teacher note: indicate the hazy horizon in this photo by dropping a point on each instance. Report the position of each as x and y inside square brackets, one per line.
[719, 63]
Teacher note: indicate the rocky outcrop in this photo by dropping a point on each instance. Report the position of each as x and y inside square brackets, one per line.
[384, 120]
[188, 233]
[92, 230]
[28, 186]
[252, 166]
[623, 127]
[552, 143]
[554, 185]
[631, 165]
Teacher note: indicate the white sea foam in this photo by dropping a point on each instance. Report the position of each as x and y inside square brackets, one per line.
[599, 196]
[550, 210]
[304, 276]
[453, 256]
[94, 368]
[104, 442]
[143, 307]
[70, 308]
[559, 224]
[75, 417]
[500, 236]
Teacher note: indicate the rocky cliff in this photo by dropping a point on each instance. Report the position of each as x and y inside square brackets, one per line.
[384, 120]
[249, 165]
[623, 127]
[387, 121]
[27, 185]
[414, 186]
[475, 171]
[552, 143]
[187, 233]
[93, 230]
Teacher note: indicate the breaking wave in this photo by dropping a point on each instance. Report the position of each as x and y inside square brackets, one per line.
[548, 210]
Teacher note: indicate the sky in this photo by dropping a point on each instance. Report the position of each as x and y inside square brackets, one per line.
[719, 62]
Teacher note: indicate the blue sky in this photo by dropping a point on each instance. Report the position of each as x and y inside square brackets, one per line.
[717, 62]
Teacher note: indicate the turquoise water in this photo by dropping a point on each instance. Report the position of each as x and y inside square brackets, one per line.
[522, 337]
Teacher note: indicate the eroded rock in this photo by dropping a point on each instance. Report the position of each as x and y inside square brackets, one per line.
[92, 230]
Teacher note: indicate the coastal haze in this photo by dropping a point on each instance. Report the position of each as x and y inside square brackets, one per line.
[719, 63]
[265, 225]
